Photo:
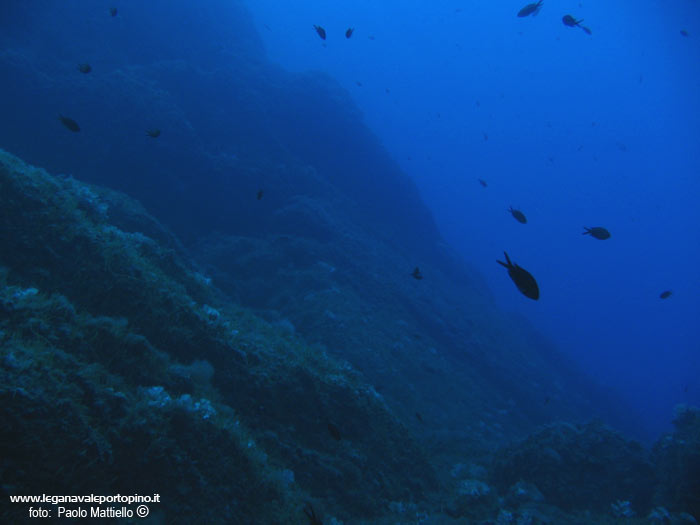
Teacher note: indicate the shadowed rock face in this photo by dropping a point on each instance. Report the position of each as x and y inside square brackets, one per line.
[579, 467]
[100, 326]
[230, 122]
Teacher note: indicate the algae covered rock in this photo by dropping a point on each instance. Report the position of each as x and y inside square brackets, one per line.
[578, 467]
[677, 459]
[122, 361]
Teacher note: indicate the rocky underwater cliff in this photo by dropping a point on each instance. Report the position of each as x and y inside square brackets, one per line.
[233, 323]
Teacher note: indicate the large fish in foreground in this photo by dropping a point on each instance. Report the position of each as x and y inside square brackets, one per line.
[522, 278]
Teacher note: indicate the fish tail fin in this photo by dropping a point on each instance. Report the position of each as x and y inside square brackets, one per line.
[586, 231]
[506, 264]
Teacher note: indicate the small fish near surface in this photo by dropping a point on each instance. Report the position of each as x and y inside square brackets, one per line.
[570, 21]
[522, 278]
[69, 123]
[320, 31]
[113, 11]
[483, 183]
[153, 133]
[416, 274]
[349, 32]
[597, 232]
[684, 32]
[665, 294]
[518, 215]
[530, 9]
[260, 194]
[84, 68]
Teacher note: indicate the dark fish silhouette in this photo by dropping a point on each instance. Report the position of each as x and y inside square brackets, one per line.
[522, 278]
[84, 68]
[665, 294]
[419, 417]
[349, 31]
[530, 9]
[321, 32]
[113, 11]
[684, 32]
[260, 194]
[482, 182]
[598, 232]
[313, 519]
[153, 133]
[69, 123]
[416, 273]
[570, 21]
[334, 431]
[519, 216]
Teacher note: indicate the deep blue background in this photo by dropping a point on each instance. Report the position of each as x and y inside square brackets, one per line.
[600, 130]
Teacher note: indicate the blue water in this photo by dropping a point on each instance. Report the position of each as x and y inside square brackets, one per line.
[575, 130]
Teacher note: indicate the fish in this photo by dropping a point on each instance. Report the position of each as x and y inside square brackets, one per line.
[84, 68]
[570, 21]
[416, 274]
[482, 182]
[153, 133]
[311, 514]
[419, 417]
[530, 9]
[69, 123]
[321, 32]
[598, 232]
[113, 11]
[349, 31]
[665, 294]
[519, 216]
[684, 32]
[260, 194]
[523, 279]
[334, 431]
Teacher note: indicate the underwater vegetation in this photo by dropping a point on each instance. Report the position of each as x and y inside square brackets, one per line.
[132, 350]
[677, 459]
[266, 355]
